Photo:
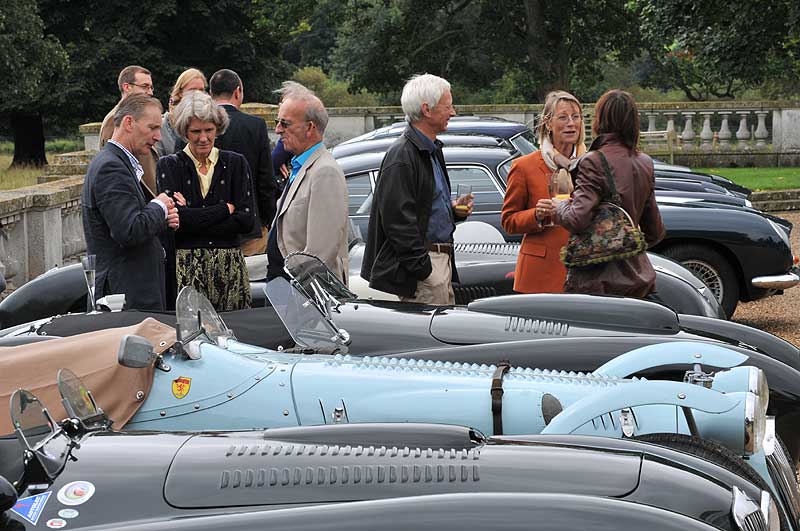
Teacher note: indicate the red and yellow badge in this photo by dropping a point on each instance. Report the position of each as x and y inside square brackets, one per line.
[181, 386]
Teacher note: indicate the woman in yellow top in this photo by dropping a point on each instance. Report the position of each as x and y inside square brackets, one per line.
[528, 205]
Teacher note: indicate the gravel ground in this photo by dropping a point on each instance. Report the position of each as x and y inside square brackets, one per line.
[779, 315]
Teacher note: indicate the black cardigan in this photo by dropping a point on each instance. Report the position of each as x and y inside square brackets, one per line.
[205, 221]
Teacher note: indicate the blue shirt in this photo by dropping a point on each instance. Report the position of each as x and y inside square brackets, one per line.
[298, 161]
[440, 224]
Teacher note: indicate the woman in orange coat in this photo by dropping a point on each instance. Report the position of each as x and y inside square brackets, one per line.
[528, 205]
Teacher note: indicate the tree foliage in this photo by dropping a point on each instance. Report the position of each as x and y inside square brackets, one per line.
[717, 48]
[32, 63]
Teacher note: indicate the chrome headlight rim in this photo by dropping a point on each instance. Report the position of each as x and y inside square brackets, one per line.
[755, 423]
[757, 384]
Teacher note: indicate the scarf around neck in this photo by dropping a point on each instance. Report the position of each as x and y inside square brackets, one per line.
[548, 154]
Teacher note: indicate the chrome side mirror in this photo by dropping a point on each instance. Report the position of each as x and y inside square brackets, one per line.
[136, 352]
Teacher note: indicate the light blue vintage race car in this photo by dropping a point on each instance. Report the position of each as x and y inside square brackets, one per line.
[209, 380]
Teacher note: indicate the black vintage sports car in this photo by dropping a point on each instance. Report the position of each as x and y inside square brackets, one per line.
[80, 475]
[739, 252]
[489, 131]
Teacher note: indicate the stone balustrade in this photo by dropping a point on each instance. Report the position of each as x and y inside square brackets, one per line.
[40, 228]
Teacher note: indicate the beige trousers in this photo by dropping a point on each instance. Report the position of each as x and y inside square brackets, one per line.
[438, 287]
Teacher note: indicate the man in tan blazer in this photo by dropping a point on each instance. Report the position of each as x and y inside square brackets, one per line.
[133, 79]
[312, 211]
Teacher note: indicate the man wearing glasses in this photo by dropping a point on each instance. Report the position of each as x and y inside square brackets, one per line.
[312, 211]
[133, 80]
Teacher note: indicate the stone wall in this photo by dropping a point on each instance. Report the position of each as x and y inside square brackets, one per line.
[40, 228]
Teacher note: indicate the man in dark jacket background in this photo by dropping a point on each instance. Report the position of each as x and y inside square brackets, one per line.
[247, 135]
[120, 225]
[409, 249]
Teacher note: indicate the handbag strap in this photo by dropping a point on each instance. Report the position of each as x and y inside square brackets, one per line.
[612, 187]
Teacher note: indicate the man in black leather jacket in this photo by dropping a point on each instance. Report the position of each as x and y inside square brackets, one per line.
[409, 249]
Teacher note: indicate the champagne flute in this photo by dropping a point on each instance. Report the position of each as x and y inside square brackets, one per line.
[89, 263]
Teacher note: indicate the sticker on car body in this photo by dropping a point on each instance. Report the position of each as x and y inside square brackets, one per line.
[76, 492]
[30, 508]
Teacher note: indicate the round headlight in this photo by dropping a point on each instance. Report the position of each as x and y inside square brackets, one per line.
[755, 424]
[757, 384]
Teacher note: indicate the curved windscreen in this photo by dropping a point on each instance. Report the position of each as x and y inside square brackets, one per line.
[193, 310]
[313, 275]
[301, 317]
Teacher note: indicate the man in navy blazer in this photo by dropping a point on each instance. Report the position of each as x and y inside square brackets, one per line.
[121, 227]
[247, 135]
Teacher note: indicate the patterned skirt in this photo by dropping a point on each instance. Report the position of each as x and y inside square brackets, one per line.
[219, 274]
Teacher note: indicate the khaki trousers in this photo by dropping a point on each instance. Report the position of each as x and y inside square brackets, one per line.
[438, 287]
[257, 246]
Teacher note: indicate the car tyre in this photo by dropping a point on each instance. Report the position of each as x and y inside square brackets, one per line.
[713, 269]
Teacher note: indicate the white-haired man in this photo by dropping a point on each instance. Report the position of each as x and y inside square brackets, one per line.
[312, 211]
[409, 248]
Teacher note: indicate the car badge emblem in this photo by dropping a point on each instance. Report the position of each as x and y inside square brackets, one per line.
[181, 386]
[31, 508]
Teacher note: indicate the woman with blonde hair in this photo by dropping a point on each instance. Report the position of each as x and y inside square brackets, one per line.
[528, 206]
[615, 153]
[171, 142]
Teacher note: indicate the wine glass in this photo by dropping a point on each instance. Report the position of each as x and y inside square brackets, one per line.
[462, 190]
[89, 263]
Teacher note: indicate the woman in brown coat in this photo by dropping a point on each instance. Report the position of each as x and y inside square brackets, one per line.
[527, 205]
[616, 131]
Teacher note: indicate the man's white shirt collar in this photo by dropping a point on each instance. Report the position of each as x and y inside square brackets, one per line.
[137, 166]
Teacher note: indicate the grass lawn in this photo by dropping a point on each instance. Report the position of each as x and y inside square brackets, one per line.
[11, 178]
[759, 178]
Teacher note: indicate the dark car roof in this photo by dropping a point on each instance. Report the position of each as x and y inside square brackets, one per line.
[489, 156]
[471, 125]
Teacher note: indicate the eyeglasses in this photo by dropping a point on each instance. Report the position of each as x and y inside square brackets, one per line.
[146, 86]
[287, 124]
[564, 118]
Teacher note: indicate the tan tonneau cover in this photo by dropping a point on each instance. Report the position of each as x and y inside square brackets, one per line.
[93, 357]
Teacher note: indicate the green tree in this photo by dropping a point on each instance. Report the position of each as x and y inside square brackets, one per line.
[538, 44]
[32, 63]
[718, 48]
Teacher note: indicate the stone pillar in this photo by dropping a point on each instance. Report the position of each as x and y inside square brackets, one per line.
[724, 131]
[670, 121]
[688, 131]
[761, 131]
[706, 135]
[651, 122]
[13, 250]
[44, 240]
[743, 133]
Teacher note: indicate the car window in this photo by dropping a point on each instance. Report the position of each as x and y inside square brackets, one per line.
[487, 197]
[359, 191]
[525, 142]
